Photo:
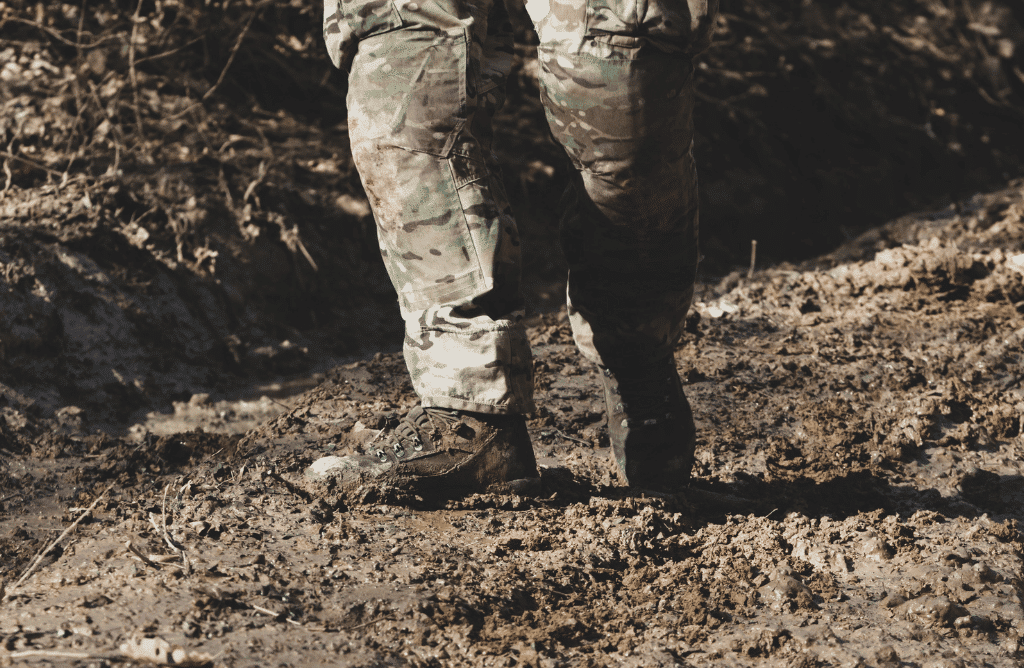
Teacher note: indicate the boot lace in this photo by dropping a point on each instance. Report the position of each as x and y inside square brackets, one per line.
[412, 434]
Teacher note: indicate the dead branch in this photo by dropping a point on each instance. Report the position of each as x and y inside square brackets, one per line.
[165, 54]
[227, 65]
[231, 56]
[222, 180]
[369, 623]
[57, 36]
[78, 92]
[163, 511]
[33, 163]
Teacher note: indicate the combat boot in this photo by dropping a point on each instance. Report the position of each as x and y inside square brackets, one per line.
[650, 425]
[440, 452]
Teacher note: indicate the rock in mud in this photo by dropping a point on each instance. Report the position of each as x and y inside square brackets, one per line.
[933, 610]
[785, 592]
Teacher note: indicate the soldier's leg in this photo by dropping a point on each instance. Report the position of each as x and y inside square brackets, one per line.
[617, 84]
[618, 89]
[425, 78]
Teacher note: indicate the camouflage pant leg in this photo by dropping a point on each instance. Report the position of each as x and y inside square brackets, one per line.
[618, 90]
[424, 81]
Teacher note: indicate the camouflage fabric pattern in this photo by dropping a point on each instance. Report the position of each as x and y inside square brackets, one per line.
[617, 87]
[345, 23]
[425, 79]
[616, 28]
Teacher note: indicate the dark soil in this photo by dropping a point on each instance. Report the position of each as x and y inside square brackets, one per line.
[192, 311]
[857, 500]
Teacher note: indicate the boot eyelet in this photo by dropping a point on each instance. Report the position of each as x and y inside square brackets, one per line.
[399, 450]
[417, 445]
[381, 455]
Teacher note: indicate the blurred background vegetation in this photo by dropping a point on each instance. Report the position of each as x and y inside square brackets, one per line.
[206, 140]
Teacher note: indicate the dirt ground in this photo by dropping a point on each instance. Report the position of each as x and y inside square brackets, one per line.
[192, 311]
[857, 499]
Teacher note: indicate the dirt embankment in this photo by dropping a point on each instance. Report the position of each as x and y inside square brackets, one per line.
[177, 179]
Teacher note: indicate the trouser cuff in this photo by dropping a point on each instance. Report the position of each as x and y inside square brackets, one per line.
[484, 370]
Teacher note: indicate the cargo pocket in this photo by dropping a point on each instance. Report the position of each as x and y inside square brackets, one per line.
[347, 22]
[408, 89]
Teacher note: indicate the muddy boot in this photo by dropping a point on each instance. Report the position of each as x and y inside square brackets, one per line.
[650, 426]
[440, 452]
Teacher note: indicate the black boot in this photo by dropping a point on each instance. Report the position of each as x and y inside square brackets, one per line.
[650, 425]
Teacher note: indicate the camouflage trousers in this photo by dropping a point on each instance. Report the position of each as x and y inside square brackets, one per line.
[425, 78]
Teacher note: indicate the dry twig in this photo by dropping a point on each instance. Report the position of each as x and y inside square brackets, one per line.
[171, 52]
[10, 178]
[276, 615]
[54, 654]
[571, 438]
[261, 174]
[78, 93]
[138, 553]
[136, 20]
[167, 537]
[39, 559]
[33, 163]
[163, 511]
[227, 65]
[57, 36]
[231, 56]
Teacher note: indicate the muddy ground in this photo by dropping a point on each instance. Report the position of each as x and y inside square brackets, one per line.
[857, 499]
[192, 310]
